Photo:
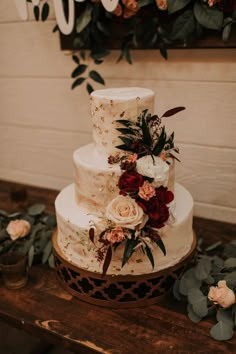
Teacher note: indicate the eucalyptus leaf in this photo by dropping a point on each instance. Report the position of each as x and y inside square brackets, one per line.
[226, 32]
[36, 12]
[176, 292]
[46, 252]
[142, 3]
[230, 263]
[84, 19]
[229, 250]
[203, 268]
[31, 256]
[96, 77]
[45, 11]
[213, 246]
[50, 220]
[29, 218]
[225, 315]
[188, 281]
[173, 5]
[14, 215]
[3, 213]
[77, 82]
[198, 301]
[79, 70]
[183, 26]
[51, 261]
[36, 209]
[217, 264]
[208, 17]
[230, 278]
[192, 315]
[222, 331]
[163, 50]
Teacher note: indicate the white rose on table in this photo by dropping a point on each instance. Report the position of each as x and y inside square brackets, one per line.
[222, 295]
[153, 167]
[18, 229]
[125, 212]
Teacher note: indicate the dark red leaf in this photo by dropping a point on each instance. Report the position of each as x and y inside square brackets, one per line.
[107, 261]
[91, 234]
[173, 111]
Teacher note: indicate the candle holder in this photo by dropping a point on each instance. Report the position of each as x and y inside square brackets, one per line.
[14, 270]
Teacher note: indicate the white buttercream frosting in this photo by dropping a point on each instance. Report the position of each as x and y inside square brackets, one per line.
[74, 222]
[110, 105]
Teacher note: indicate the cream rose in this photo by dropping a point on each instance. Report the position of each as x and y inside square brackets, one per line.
[18, 229]
[221, 294]
[153, 167]
[125, 212]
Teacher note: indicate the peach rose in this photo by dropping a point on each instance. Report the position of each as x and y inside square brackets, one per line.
[146, 191]
[18, 229]
[116, 235]
[161, 4]
[132, 158]
[212, 2]
[118, 10]
[221, 294]
[124, 211]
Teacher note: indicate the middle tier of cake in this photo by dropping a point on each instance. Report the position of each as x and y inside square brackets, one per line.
[74, 222]
[96, 180]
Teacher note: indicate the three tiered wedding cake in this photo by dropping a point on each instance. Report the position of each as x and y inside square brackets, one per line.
[124, 214]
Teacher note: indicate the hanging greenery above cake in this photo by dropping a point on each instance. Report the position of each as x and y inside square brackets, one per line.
[99, 25]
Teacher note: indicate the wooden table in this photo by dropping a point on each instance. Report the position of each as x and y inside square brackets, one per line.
[47, 311]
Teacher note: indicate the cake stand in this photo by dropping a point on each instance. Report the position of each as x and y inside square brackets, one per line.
[119, 291]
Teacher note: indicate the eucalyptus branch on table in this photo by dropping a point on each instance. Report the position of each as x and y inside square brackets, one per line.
[28, 232]
[209, 287]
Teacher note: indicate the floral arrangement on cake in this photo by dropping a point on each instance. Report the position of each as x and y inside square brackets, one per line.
[144, 204]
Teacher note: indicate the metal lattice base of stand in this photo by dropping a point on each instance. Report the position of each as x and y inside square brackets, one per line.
[122, 291]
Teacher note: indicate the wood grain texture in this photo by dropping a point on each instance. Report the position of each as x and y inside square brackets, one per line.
[161, 328]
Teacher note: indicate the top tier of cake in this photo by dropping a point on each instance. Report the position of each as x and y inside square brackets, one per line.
[109, 105]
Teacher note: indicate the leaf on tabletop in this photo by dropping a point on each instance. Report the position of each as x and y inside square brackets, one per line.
[31, 256]
[192, 315]
[213, 246]
[188, 281]
[198, 301]
[230, 263]
[51, 261]
[230, 278]
[225, 315]
[203, 268]
[208, 17]
[36, 209]
[221, 331]
[176, 292]
[46, 252]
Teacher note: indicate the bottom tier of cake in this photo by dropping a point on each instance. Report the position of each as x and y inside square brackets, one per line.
[76, 248]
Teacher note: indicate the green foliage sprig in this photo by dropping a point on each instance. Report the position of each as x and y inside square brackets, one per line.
[195, 283]
[37, 245]
[151, 25]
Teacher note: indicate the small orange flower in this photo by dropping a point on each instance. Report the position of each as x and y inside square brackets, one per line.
[146, 191]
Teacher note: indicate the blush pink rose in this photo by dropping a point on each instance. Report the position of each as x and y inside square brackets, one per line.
[146, 191]
[161, 4]
[18, 229]
[116, 235]
[221, 294]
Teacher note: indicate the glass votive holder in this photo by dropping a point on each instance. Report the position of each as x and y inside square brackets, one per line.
[14, 270]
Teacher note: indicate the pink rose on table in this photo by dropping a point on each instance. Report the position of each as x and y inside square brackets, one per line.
[222, 295]
[153, 167]
[129, 182]
[146, 191]
[125, 212]
[18, 229]
[116, 235]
